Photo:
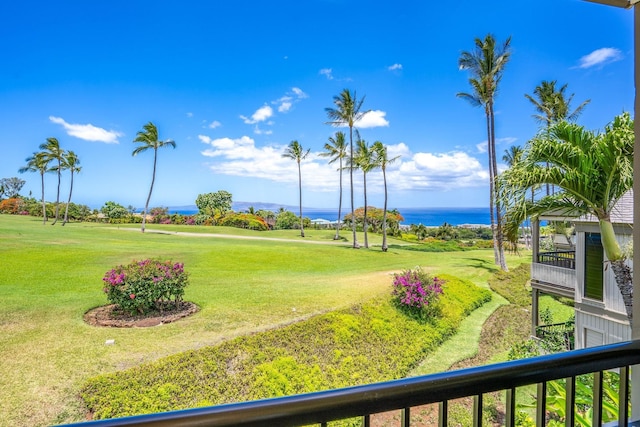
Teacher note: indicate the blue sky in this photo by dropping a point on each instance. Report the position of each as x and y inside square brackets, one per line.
[234, 82]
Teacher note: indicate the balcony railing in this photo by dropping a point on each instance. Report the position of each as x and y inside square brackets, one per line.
[564, 259]
[364, 401]
[559, 336]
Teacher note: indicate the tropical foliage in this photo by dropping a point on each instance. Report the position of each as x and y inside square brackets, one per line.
[143, 286]
[592, 170]
[336, 150]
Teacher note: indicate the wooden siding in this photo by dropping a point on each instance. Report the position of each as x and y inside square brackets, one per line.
[558, 276]
[592, 324]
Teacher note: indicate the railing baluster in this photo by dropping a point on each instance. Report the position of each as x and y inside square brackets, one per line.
[405, 414]
[541, 404]
[510, 415]
[443, 415]
[623, 397]
[366, 421]
[570, 410]
[477, 410]
[597, 399]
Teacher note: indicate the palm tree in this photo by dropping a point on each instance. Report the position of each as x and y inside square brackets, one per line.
[383, 160]
[336, 150]
[347, 113]
[592, 170]
[296, 152]
[148, 138]
[486, 65]
[53, 153]
[38, 163]
[365, 161]
[553, 106]
[72, 163]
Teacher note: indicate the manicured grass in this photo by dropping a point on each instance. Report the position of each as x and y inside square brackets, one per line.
[50, 276]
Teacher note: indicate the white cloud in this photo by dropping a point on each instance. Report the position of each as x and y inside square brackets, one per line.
[412, 171]
[285, 104]
[263, 113]
[327, 73]
[395, 67]
[214, 124]
[88, 132]
[600, 57]
[189, 114]
[372, 119]
[299, 93]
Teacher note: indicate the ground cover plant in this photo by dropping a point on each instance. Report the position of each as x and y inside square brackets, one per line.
[368, 342]
[51, 276]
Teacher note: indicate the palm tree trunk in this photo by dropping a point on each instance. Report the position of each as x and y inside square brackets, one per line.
[499, 236]
[353, 211]
[496, 255]
[57, 195]
[300, 198]
[338, 224]
[44, 205]
[384, 213]
[364, 220]
[66, 210]
[153, 180]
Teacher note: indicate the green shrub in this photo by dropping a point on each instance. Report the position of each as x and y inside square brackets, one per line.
[145, 285]
[244, 220]
[366, 343]
[513, 285]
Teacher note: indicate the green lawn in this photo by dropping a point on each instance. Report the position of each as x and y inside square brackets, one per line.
[50, 276]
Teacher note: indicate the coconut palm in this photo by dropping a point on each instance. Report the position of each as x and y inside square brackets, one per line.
[296, 152]
[336, 150]
[553, 106]
[54, 154]
[38, 163]
[486, 65]
[347, 112]
[72, 163]
[382, 159]
[148, 138]
[365, 160]
[591, 170]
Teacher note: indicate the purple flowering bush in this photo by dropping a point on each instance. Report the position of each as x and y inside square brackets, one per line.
[416, 292]
[144, 286]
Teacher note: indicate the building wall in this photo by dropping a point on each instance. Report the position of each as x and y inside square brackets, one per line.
[599, 322]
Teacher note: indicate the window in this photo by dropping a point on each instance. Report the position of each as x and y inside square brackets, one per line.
[593, 273]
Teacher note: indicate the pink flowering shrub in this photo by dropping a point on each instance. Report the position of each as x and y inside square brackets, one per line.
[143, 286]
[417, 293]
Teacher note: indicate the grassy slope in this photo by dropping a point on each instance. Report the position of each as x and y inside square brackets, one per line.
[51, 275]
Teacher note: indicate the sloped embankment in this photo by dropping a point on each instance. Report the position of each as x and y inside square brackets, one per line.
[366, 343]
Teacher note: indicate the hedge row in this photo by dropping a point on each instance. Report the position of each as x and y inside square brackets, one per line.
[366, 343]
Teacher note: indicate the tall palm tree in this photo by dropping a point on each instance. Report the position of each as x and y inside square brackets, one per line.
[296, 152]
[38, 163]
[365, 161]
[382, 160]
[592, 170]
[486, 65]
[553, 106]
[54, 154]
[148, 138]
[347, 112]
[336, 150]
[72, 163]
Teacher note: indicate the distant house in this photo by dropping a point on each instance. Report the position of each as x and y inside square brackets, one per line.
[580, 273]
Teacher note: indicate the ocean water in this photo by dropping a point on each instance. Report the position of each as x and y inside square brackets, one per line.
[431, 217]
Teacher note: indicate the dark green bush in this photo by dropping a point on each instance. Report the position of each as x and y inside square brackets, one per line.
[366, 343]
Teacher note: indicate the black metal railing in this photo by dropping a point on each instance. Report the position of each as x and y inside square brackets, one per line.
[364, 401]
[564, 259]
[557, 336]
